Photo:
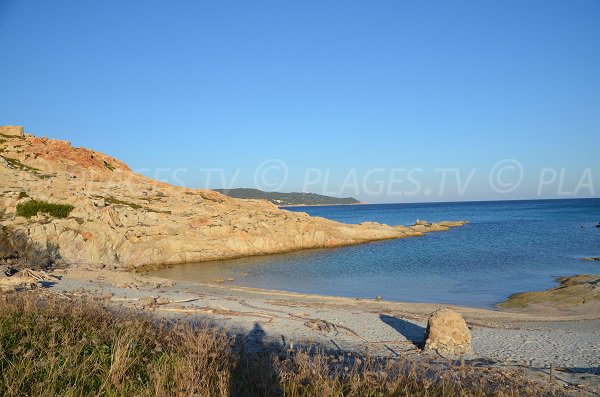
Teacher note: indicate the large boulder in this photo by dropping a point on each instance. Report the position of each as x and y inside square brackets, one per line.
[12, 130]
[447, 333]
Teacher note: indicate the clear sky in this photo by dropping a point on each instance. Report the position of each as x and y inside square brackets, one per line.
[346, 97]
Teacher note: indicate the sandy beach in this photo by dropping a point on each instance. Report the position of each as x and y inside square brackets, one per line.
[566, 339]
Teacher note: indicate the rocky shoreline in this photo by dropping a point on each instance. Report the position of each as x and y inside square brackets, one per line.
[580, 293]
[123, 220]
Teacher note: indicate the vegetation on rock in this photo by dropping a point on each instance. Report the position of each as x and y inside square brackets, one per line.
[112, 200]
[32, 207]
[17, 165]
[16, 248]
[108, 165]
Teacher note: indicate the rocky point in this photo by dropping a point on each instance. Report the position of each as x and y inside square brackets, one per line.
[124, 220]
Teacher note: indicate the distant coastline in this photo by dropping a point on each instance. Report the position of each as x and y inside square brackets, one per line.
[288, 199]
[321, 205]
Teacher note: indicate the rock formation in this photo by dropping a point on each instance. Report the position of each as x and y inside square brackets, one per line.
[583, 289]
[125, 220]
[12, 130]
[447, 333]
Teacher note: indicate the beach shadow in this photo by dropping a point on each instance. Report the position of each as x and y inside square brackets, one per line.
[47, 284]
[412, 332]
[580, 370]
[589, 376]
[40, 284]
[254, 373]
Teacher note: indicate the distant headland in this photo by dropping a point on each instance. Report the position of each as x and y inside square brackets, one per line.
[288, 199]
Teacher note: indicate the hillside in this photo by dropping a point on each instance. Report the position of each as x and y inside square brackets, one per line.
[284, 199]
[66, 205]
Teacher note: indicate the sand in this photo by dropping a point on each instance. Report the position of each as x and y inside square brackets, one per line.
[568, 340]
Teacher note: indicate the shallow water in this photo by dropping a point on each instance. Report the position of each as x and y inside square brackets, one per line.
[507, 247]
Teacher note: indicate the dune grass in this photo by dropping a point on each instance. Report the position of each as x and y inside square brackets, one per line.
[32, 207]
[51, 346]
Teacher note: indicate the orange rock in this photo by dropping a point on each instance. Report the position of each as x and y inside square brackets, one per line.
[199, 222]
[87, 236]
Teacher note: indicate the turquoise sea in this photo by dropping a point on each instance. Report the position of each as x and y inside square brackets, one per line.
[508, 247]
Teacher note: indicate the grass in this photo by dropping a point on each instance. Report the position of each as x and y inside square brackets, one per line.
[32, 207]
[55, 345]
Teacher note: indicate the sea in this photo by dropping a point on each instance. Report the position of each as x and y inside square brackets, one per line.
[507, 247]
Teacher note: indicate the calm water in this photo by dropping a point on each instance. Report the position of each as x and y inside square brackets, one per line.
[508, 247]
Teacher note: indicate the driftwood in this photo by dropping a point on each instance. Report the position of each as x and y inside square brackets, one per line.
[151, 301]
[209, 310]
[320, 325]
[314, 323]
[26, 277]
[323, 325]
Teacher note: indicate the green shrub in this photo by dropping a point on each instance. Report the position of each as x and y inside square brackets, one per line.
[32, 207]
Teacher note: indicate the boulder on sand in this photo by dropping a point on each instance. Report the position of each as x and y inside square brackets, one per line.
[447, 333]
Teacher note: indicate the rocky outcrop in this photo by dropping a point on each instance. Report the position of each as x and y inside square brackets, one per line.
[125, 220]
[12, 131]
[583, 289]
[447, 333]
[422, 226]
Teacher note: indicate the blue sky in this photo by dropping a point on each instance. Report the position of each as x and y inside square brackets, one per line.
[355, 90]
